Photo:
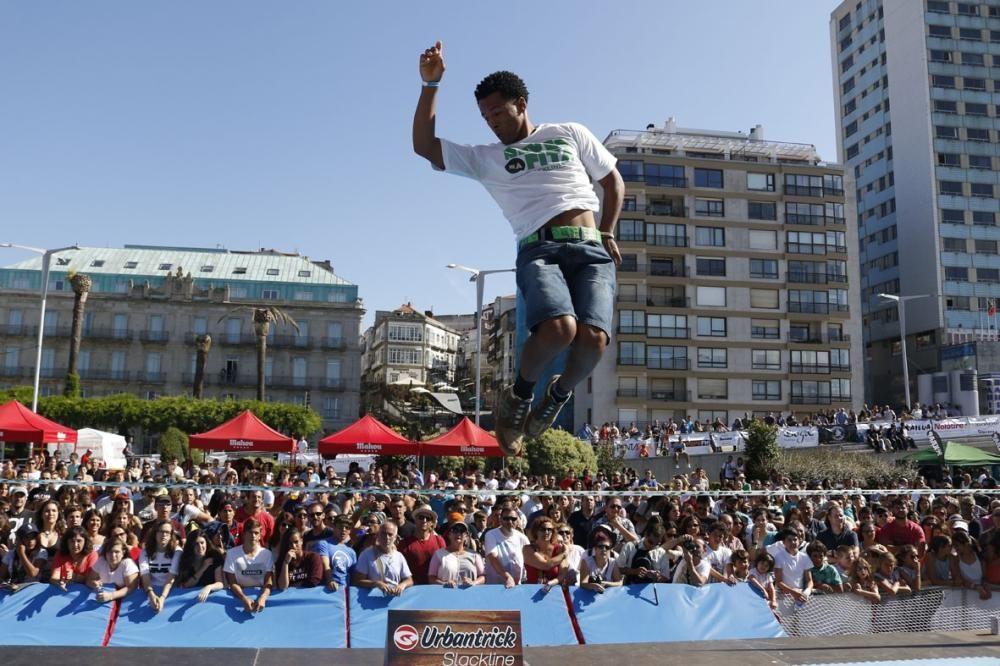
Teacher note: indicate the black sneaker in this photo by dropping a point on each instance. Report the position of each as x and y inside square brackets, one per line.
[544, 415]
[511, 413]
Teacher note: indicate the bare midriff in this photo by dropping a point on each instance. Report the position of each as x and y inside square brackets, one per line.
[573, 218]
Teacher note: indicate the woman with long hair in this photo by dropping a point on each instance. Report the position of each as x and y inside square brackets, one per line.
[544, 553]
[159, 562]
[598, 569]
[297, 567]
[48, 518]
[201, 565]
[26, 561]
[93, 522]
[113, 568]
[75, 559]
[866, 534]
[966, 566]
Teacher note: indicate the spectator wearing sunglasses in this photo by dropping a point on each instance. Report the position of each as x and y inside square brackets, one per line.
[646, 561]
[599, 569]
[420, 548]
[318, 529]
[504, 550]
[615, 518]
[453, 565]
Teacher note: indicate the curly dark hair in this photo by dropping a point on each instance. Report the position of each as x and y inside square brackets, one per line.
[508, 84]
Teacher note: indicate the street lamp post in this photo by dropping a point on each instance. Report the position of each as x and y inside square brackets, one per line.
[46, 262]
[901, 309]
[479, 277]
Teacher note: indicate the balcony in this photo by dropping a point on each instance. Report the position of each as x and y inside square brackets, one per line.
[807, 191]
[805, 248]
[151, 377]
[809, 277]
[14, 330]
[16, 371]
[659, 395]
[154, 337]
[333, 343]
[667, 269]
[233, 379]
[667, 241]
[105, 374]
[811, 400]
[237, 339]
[331, 383]
[288, 381]
[666, 181]
[674, 333]
[631, 330]
[666, 209]
[815, 308]
[839, 367]
[808, 369]
[815, 338]
[813, 220]
[668, 301]
[679, 363]
[114, 334]
[57, 331]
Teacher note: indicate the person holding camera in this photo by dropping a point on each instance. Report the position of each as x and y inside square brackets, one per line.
[694, 568]
[598, 569]
[646, 561]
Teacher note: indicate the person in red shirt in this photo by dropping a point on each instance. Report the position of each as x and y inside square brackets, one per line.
[253, 507]
[420, 548]
[902, 531]
[75, 559]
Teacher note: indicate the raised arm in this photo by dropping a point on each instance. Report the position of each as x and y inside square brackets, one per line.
[614, 195]
[425, 142]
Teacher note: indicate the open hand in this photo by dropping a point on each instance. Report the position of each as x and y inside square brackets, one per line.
[432, 63]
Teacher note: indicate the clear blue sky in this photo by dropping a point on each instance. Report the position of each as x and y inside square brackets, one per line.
[287, 125]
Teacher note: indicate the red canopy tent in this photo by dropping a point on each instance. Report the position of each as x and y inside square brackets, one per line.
[465, 439]
[368, 436]
[20, 424]
[245, 432]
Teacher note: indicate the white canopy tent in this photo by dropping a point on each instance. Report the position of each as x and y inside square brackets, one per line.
[106, 448]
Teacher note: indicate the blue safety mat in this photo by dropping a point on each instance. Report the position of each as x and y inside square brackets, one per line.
[301, 618]
[544, 618]
[663, 613]
[42, 614]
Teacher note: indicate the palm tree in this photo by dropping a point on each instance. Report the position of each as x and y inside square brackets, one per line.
[262, 318]
[203, 344]
[81, 288]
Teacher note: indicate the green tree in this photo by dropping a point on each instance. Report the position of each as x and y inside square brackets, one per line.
[173, 444]
[762, 450]
[608, 461]
[263, 316]
[558, 452]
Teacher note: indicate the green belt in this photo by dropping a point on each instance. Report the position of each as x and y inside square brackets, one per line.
[560, 235]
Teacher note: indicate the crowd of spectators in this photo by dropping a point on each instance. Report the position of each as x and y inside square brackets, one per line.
[391, 528]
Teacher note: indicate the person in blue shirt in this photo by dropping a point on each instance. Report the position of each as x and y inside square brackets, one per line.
[339, 558]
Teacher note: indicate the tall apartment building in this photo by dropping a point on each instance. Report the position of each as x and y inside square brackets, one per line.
[917, 84]
[406, 347]
[734, 294]
[148, 304]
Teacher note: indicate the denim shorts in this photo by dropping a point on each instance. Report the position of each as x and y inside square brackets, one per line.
[567, 278]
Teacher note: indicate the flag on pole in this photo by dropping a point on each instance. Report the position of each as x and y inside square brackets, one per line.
[936, 443]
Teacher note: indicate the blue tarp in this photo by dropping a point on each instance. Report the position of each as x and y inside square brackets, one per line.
[662, 613]
[42, 614]
[544, 617]
[302, 618]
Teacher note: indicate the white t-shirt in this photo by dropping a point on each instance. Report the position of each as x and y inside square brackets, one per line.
[159, 566]
[454, 567]
[509, 552]
[117, 577]
[533, 180]
[718, 558]
[249, 570]
[793, 567]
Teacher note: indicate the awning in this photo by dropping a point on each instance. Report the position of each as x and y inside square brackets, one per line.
[368, 436]
[20, 424]
[245, 432]
[465, 439]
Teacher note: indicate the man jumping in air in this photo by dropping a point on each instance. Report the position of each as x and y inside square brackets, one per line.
[541, 176]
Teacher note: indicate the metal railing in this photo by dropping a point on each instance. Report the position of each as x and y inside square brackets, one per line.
[114, 334]
[154, 336]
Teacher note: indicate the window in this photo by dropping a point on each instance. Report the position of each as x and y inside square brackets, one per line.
[937, 6]
[970, 83]
[984, 190]
[804, 242]
[983, 218]
[764, 298]
[708, 178]
[765, 329]
[710, 236]
[971, 34]
[207, 269]
[980, 162]
[764, 268]
[968, 9]
[631, 170]
[803, 185]
[944, 106]
[631, 353]
[712, 357]
[631, 230]
[976, 134]
[945, 132]
[949, 159]
[766, 389]
[942, 31]
[762, 210]
[665, 175]
[711, 266]
[939, 81]
[269, 295]
[709, 207]
[760, 182]
[809, 362]
[761, 239]
[629, 204]
[995, 34]
[667, 235]
[272, 271]
[765, 359]
[952, 216]
[713, 389]
[976, 59]
[991, 275]
[950, 187]
[976, 109]
[632, 322]
[956, 273]
[666, 358]
[712, 327]
[666, 326]
[711, 296]
[305, 274]
[240, 270]
[97, 263]
[165, 267]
